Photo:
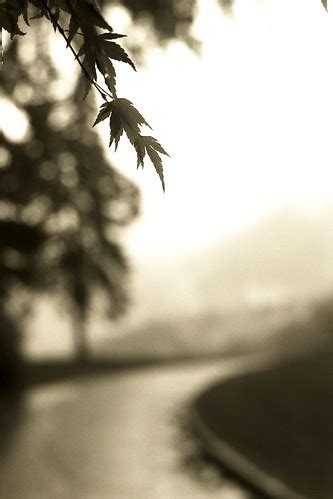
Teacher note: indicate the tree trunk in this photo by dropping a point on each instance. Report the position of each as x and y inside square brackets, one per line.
[80, 340]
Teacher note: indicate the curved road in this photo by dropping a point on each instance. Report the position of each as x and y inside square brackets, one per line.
[112, 437]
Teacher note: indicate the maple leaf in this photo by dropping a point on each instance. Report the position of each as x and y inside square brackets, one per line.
[104, 112]
[147, 144]
[55, 17]
[111, 36]
[81, 51]
[116, 52]
[107, 69]
[90, 74]
[65, 5]
[116, 127]
[95, 16]
[125, 117]
[72, 30]
[25, 14]
[130, 114]
[88, 63]
[8, 20]
[96, 54]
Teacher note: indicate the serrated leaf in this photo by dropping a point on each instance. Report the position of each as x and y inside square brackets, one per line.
[116, 127]
[127, 118]
[54, 20]
[111, 83]
[96, 17]
[155, 144]
[111, 36]
[107, 69]
[104, 112]
[130, 113]
[81, 51]
[72, 30]
[8, 21]
[140, 152]
[56, 12]
[147, 144]
[155, 158]
[65, 5]
[89, 65]
[86, 87]
[87, 82]
[25, 13]
[116, 52]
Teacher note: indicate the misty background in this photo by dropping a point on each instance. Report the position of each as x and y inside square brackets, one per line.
[246, 219]
[119, 302]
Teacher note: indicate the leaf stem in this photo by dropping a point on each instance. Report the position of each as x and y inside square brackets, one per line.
[100, 89]
[73, 13]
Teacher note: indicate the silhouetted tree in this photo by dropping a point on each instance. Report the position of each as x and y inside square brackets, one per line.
[83, 23]
[61, 201]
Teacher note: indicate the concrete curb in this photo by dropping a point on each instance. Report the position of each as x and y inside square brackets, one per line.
[238, 463]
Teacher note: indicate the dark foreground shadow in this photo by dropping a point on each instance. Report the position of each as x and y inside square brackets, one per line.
[196, 460]
[274, 428]
[12, 416]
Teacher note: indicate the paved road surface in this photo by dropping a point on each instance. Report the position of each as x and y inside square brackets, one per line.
[111, 437]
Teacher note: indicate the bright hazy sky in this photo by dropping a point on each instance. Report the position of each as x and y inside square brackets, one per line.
[248, 124]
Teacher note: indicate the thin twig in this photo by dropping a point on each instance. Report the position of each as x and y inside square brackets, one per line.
[86, 73]
[74, 15]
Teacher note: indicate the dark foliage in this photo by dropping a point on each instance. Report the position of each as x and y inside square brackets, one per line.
[62, 204]
[82, 24]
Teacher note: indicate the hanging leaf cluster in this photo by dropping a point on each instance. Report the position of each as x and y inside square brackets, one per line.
[82, 21]
[124, 117]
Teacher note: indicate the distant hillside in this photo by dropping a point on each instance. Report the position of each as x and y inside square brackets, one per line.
[234, 332]
[204, 304]
[287, 254]
[215, 298]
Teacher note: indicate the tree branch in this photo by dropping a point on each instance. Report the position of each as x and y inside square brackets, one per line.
[100, 89]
